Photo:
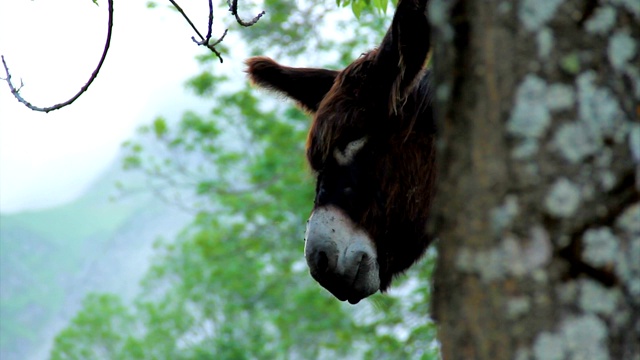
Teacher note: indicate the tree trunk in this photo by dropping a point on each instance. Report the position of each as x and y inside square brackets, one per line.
[538, 207]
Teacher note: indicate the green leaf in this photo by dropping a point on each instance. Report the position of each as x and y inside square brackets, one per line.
[203, 84]
[131, 162]
[381, 5]
[160, 127]
[357, 6]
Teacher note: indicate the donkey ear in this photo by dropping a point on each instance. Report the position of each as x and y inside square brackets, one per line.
[403, 52]
[305, 85]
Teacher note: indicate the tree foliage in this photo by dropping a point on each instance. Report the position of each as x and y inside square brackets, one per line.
[234, 284]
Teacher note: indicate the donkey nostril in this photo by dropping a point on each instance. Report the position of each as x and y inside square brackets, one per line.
[364, 257]
[322, 261]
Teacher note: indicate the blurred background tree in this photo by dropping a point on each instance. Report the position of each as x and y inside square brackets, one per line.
[234, 283]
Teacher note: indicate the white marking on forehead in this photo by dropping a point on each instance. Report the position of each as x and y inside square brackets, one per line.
[345, 157]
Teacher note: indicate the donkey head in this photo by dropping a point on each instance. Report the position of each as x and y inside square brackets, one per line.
[371, 148]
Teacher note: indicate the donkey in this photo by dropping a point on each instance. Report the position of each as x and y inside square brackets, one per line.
[371, 146]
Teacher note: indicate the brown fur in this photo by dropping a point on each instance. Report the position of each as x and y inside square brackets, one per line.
[306, 85]
[384, 95]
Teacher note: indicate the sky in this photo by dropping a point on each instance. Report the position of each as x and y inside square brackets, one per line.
[53, 46]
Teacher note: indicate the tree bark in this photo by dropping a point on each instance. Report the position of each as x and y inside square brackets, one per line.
[538, 207]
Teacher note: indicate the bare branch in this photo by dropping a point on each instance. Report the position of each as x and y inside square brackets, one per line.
[203, 41]
[233, 8]
[16, 92]
[206, 41]
[210, 20]
[186, 18]
[210, 45]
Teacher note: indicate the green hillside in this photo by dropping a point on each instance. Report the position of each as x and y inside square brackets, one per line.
[50, 258]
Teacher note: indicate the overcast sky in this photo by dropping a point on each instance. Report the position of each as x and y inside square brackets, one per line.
[53, 46]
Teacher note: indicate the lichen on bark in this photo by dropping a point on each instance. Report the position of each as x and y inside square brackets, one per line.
[537, 210]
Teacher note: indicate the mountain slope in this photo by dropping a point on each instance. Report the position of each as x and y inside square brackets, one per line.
[50, 259]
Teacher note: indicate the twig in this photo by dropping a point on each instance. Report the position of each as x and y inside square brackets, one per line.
[16, 92]
[206, 41]
[233, 8]
[186, 18]
[212, 46]
[203, 41]
[210, 21]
